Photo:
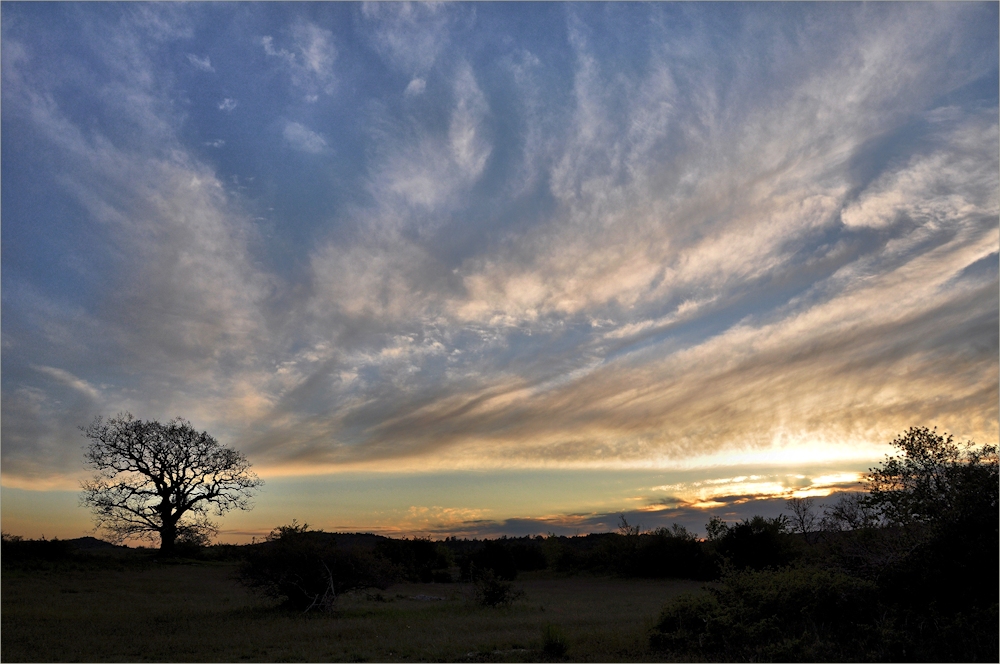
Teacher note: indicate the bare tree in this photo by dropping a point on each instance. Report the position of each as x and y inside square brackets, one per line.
[804, 520]
[626, 529]
[162, 480]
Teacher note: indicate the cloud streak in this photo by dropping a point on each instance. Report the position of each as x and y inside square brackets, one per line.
[574, 253]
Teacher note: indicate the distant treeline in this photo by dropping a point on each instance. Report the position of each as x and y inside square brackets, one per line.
[661, 553]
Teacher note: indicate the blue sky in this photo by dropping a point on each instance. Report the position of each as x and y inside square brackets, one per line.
[482, 268]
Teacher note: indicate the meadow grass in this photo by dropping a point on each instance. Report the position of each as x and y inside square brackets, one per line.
[198, 612]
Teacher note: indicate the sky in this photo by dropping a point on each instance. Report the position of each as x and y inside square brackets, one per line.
[479, 269]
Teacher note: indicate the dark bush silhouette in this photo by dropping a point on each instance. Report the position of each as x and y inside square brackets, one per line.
[940, 501]
[17, 550]
[756, 543]
[307, 570]
[418, 560]
[491, 590]
[664, 552]
[934, 480]
[786, 615]
[495, 556]
[554, 642]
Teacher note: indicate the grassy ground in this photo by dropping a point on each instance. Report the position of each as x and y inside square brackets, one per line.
[198, 613]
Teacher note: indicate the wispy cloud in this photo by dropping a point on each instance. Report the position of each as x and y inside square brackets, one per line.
[415, 87]
[410, 35]
[204, 64]
[304, 139]
[580, 253]
[310, 59]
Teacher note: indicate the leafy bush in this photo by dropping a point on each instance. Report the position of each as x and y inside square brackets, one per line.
[418, 560]
[493, 591]
[307, 570]
[664, 552]
[803, 614]
[755, 543]
[554, 642]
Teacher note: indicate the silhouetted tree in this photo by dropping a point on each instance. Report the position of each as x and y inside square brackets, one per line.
[804, 520]
[940, 500]
[162, 480]
[851, 512]
[934, 480]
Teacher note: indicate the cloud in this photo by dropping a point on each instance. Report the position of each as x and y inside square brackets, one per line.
[173, 250]
[689, 360]
[415, 87]
[204, 64]
[410, 36]
[303, 139]
[668, 255]
[69, 379]
[227, 104]
[420, 170]
[310, 61]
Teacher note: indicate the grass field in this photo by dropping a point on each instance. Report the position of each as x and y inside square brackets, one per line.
[197, 612]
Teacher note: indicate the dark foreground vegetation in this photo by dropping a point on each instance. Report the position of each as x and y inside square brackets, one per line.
[906, 571]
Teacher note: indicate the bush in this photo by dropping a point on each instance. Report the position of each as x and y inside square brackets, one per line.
[662, 553]
[418, 560]
[803, 614]
[494, 556]
[554, 642]
[191, 544]
[757, 543]
[492, 591]
[17, 550]
[306, 569]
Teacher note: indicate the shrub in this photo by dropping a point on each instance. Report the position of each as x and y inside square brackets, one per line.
[803, 614]
[191, 544]
[492, 591]
[17, 550]
[306, 569]
[662, 553]
[554, 642]
[417, 559]
[495, 556]
[441, 576]
[756, 543]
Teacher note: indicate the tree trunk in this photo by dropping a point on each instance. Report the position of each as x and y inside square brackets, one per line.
[168, 535]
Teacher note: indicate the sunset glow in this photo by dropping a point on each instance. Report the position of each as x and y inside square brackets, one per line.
[482, 269]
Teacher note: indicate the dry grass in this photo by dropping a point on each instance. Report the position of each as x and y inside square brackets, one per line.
[198, 613]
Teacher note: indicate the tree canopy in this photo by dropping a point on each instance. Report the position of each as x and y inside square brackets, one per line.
[935, 479]
[162, 480]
